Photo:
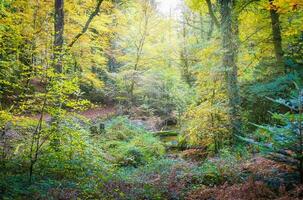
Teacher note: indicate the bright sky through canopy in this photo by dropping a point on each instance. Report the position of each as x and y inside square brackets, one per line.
[167, 6]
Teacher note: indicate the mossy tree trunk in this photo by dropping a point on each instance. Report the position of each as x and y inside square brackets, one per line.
[276, 37]
[58, 36]
[230, 50]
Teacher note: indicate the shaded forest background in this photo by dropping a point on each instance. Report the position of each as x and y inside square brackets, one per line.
[105, 99]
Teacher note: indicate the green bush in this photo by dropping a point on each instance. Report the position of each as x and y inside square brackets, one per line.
[120, 128]
[128, 144]
[163, 178]
[281, 140]
[76, 162]
[221, 169]
[132, 157]
[137, 151]
[207, 174]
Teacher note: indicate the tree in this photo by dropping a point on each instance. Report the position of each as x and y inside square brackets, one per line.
[230, 50]
[143, 31]
[88, 22]
[276, 36]
[141, 47]
[184, 52]
[206, 121]
[58, 36]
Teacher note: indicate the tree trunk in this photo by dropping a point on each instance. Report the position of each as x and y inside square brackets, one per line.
[300, 136]
[230, 49]
[276, 36]
[58, 40]
[184, 57]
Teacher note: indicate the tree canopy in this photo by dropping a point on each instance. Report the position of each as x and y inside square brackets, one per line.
[115, 99]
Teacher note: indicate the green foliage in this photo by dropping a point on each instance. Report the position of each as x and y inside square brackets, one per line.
[81, 163]
[5, 117]
[164, 92]
[155, 180]
[254, 96]
[224, 168]
[277, 87]
[77, 159]
[282, 141]
[152, 67]
[130, 145]
[121, 128]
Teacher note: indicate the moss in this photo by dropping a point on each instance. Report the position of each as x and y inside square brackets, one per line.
[166, 133]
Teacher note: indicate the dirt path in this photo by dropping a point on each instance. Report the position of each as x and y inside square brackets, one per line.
[103, 111]
[92, 113]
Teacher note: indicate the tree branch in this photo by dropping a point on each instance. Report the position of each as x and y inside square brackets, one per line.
[90, 19]
[212, 14]
[266, 145]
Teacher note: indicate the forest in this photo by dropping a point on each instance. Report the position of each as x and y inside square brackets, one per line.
[151, 99]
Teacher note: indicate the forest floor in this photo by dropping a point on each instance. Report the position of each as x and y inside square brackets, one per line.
[267, 180]
[263, 179]
[91, 113]
[99, 111]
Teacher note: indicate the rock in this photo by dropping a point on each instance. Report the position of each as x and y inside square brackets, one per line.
[93, 130]
[97, 129]
[171, 121]
[150, 124]
[102, 127]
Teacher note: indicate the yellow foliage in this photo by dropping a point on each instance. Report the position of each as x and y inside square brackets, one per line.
[91, 79]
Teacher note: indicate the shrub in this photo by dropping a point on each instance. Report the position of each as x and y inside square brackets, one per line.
[130, 156]
[282, 141]
[129, 144]
[161, 179]
[224, 168]
[120, 128]
[76, 163]
[137, 151]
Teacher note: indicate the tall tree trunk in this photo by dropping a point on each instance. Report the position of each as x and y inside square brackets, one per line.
[276, 35]
[230, 49]
[57, 63]
[58, 40]
[300, 136]
[184, 56]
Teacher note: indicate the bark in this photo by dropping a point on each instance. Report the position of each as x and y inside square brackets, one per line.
[300, 136]
[58, 40]
[184, 57]
[276, 36]
[230, 50]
